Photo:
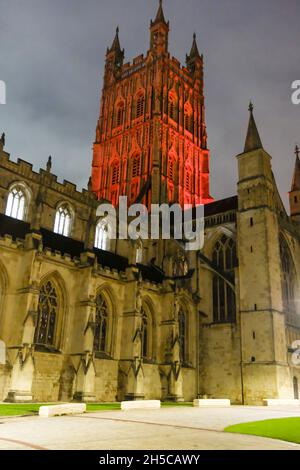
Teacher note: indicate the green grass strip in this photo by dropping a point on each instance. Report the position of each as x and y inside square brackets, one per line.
[285, 429]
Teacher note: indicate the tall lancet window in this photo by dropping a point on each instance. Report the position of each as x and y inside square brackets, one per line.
[101, 325]
[224, 259]
[47, 315]
[16, 203]
[145, 334]
[63, 219]
[139, 252]
[140, 105]
[287, 278]
[102, 241]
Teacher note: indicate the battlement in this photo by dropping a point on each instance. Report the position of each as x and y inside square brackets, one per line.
[24, 170]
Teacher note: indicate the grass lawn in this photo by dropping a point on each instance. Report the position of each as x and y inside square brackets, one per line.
[286, 429]
[16, 409]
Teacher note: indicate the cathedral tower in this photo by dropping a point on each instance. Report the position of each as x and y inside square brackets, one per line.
[151, 141]
[263, 338]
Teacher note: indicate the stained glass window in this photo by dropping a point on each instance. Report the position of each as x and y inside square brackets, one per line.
[15, 206]
[224, 258]
[47, 315]
[101, 325]
[62, 224]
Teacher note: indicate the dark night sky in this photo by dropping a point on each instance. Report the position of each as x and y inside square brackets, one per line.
[52, 54]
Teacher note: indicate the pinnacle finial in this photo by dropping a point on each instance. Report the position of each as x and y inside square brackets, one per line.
[49, 164]
[117, 29]
[160, 17]
[297, 151]
[2, 139]
[253, 141]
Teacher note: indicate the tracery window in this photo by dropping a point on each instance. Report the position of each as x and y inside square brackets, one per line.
[171, 169]
[287, 277]
[140, 105]
[145, 335]
[47, 315]
[120, 114]
[16, 203]
[188, 181]
[136, 164]
[173, 108]
[180, 267]
[101, 325]
[102, 241]
[63, 219]
[115, 175]
[188, 119]
[224, 258]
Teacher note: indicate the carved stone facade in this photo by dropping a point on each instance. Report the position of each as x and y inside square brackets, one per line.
[88, 318]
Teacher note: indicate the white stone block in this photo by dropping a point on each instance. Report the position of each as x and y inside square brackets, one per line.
[63, 409]
[212, 402]
[140, 405]
[281, 402]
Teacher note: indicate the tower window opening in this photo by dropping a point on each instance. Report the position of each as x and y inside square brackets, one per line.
[140, 106]
[120, 115]
[188, 181]
[115, 174]
[171, 169]
[136, 166]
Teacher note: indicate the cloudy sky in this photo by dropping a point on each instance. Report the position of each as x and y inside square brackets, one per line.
[52, 54]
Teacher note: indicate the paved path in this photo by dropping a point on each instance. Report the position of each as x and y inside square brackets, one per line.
[165, 429]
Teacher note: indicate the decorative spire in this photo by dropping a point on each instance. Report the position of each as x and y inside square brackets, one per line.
[116, 46]
[296, 177]
[89, 185]
[160, 17]
[193, 58]
[49, 164]
[253, 141]
[2, 139]
[194, 50]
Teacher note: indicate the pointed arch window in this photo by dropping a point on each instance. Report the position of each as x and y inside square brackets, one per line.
[115, 174]
[16, 203]
[140, 105]
[188, 119]
[47, 315]
[188, 181]
[171, 169]
[102, 241]
[120, 114]
[101, 325]
[63, 220]
[182, 336]
[145, 334]
[139, 252]
[224, 259]
[136, 166]
[173, 107]
[287, 278]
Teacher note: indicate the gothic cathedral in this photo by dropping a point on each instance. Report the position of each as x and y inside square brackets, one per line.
[87, 317]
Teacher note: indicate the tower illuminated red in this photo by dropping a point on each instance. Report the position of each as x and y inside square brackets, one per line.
[151, 140]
